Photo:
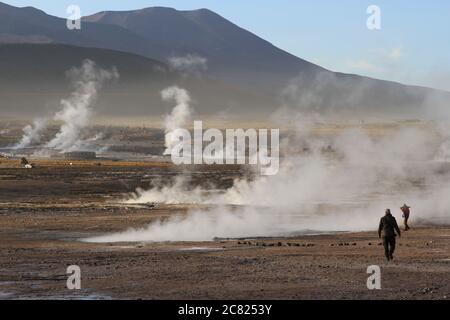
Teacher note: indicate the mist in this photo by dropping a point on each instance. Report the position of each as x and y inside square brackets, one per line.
[336, 182]
[179, 117]
[343, 183]
[190, 64]
[75, 111]
[32, 134]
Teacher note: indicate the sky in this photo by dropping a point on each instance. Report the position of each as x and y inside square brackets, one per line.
[412, 45]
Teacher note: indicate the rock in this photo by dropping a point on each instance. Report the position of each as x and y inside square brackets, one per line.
[427, 290]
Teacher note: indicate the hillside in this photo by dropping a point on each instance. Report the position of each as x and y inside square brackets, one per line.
[33, 80]
[232, 56]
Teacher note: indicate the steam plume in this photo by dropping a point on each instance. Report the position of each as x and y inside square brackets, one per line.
[76, 110]
[189, 64]
[180, 116]
[342, 180]
[32, 134]
[343, 183]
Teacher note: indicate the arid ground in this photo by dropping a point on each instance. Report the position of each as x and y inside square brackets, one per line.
[45, 211]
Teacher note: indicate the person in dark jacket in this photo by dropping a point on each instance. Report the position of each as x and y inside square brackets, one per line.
[386, 230]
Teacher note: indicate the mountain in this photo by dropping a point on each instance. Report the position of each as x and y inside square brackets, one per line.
[233, 56]
[33, 80]
[30, 25]
[233, 53]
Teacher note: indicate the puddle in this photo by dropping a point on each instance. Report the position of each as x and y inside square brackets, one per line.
[201, 249]
[79, 297]
[6, 295]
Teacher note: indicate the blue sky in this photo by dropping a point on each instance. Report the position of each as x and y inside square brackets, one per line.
[413, 45]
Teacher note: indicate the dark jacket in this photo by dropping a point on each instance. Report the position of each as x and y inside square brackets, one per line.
[388, 226]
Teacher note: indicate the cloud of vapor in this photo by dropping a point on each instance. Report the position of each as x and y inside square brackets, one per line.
[344, 182]
[75, 113]
[327, 95]
[32, 134]
[89, 144]
[444, 148]
[329, 180]
[179, 117]
[5, 127]
[77, 109]
[176, 192]
[189, 64]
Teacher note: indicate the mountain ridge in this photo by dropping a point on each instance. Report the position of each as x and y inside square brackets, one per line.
[32, 82]
[233, 56]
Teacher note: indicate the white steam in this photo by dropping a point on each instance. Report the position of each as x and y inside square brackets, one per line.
[75, 113]
[179, 117]
[76, 110]
[344, 182]
[444, 149]
[329, 180]
[178, 192]
[189, 64]
[32, 134]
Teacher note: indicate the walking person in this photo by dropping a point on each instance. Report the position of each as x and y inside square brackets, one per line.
[386, 230]
[406, 212]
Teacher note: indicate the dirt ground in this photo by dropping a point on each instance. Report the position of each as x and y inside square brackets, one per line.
[46, 210]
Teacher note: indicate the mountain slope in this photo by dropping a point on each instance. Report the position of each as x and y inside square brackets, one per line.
[233, 53]
[18, 24]
[234, 56]
[33, 80]
[238, 56]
